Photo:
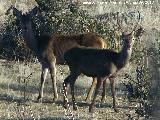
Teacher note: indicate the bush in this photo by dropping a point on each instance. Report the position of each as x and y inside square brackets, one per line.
[62, 17]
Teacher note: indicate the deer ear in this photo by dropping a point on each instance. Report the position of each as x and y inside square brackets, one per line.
[34, 11]
[131, 33]
[16, 12]
[121, 34]
[139, 32]
[8, 11]
[124, 33]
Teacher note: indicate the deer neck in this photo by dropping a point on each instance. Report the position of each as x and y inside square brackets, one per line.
[124, 56]
[29, 37]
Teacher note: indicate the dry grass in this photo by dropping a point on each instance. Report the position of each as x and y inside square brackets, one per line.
[19, 84]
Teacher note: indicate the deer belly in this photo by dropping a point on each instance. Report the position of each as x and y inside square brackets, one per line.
[94, 70]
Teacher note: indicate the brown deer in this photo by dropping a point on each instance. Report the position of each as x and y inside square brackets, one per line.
[50, 49]
[103, 64]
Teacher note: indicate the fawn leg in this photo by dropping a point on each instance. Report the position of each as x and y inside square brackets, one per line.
[112, 84]
[72, 92]
[104, 90]
[43, 78]
[89, 95]
[99, 83]
[69, 80]
[65, 87]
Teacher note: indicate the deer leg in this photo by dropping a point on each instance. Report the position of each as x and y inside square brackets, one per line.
[89, 95]
[43, 78]
[104, 90]
[69, 80]
[72, 92]
[52, 67]
[112, 84]
[99, 83]
[65, 87]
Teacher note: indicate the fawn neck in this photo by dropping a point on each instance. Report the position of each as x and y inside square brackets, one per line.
[124, 55]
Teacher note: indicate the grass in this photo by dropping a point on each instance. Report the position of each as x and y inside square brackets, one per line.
[19, 82]
[19, 85]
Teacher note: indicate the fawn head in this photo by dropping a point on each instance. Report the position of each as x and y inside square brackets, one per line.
[23, 19]
[129, 38]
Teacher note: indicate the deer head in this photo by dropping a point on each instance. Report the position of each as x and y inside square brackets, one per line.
[121, 30]
[23, 19]
[129, 38]
[24, 22]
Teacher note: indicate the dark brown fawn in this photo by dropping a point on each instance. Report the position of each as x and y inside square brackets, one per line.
[138, 34]
[50, 49]
[102, 64]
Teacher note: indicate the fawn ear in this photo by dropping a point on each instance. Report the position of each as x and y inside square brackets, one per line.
[34, 11]
[118, 33]
[122, 35]
[16, 12]
[132, 34]
[139, 32]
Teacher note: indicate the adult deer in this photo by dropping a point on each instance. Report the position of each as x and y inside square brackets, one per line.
[103, 64]
[50, 49]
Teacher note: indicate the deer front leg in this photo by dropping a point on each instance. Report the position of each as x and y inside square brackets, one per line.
[112, 84]
[43, 78]
[52, 68]
[99, 83]
[72, 92]
[104, 90]
[65, 87]
[89, 95]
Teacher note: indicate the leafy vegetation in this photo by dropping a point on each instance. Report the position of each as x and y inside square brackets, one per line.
[66, 17]
[62, 17]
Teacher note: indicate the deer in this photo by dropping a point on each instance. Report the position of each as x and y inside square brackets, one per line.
[100, 63]
[49, 49]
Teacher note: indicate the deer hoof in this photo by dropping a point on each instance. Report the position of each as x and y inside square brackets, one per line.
[91, 108]
[75, 107]
[39, 99]
[55, 99]
[66, 105]
[88, 99]
[116, 110]
[102, 100]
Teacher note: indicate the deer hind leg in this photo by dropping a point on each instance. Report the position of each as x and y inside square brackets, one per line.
[104, 91]
[98, 85]
[72, 92]
[112, 84]
[70, 80]
[52, 67]
[43, 78]
[92, 88]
